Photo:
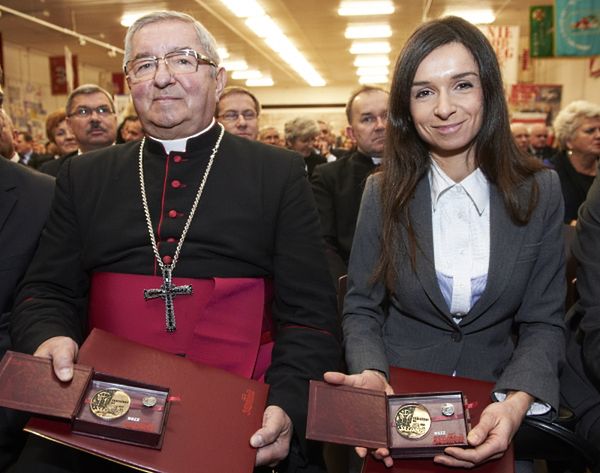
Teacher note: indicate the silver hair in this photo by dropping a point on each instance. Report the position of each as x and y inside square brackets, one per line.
[569, 119]
[87, 89]
[300, 127]
[209, 45]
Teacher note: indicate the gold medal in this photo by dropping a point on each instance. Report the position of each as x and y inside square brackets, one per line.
[109, 404]
[412, 421]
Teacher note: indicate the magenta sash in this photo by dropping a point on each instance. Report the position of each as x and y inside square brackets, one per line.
[225, 323]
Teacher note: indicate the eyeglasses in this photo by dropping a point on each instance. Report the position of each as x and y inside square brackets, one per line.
[183, 61]
[85, 112]
[233, 116]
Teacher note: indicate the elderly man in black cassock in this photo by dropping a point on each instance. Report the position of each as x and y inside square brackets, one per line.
[189, 205]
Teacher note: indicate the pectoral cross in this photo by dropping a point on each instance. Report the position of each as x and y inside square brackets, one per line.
[167, 292]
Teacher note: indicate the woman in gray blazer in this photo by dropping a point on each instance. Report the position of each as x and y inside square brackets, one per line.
[457, 265]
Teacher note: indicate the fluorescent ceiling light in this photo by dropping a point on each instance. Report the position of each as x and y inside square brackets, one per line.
[244, 8]
[295, 59]
[244, 75]
[372, 47]
[477, 17]
[372, 71]
[371, 60]
[373, 79]
[238, 65]
[366, 8]
[223, 53]
[263, 26]
[128, 19]
[262, 82]
[379, 30]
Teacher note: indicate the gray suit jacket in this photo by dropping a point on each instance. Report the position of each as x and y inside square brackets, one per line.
[513, 335]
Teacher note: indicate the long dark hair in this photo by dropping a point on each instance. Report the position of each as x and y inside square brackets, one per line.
[406, 155]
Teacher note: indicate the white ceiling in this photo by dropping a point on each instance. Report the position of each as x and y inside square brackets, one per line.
[312, 25]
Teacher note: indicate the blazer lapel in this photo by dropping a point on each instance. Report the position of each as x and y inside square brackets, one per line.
[505, 244]
[420, 213]
[8, 197]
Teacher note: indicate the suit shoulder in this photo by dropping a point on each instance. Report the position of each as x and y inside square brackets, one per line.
[31, 177]
[333, 167]
[547, 180]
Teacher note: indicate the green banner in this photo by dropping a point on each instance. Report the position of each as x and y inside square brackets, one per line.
[541, 23]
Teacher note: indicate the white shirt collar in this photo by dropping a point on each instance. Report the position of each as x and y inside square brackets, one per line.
[179, 145]
[15, 157]
[475, 185]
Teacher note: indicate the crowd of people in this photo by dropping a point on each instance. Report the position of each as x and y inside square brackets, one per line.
[449, 227]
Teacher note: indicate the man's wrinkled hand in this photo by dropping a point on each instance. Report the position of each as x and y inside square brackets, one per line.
[63, 353]
[273, 439]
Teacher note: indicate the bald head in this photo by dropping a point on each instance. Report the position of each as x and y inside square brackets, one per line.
[538, 136]
[521, 136]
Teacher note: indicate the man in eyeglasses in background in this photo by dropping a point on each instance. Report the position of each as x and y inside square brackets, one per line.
[234, 217]
[238, 110]
[92, 118]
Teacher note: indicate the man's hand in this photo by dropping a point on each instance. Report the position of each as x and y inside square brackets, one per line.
[492, 435]
[273, 439]
[323, 147]
[63, 353]
[368, 379]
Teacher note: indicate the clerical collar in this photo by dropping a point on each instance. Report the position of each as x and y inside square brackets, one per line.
[180, 144]
[376, 160]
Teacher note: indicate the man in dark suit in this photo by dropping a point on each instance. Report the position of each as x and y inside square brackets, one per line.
[338, 186]
[92, 117]
[538, 142]
[25, 197]
[27, 155]
[580, 379]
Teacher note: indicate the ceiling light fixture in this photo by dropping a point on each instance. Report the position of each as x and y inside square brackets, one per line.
[379, 30]
[477, 17]
[373, 79]
[223, 53]
[262, 82]
[128, 19]
[245, 75]
[244, 8]
[366, 8]
[372, 71]
[236, 65]
[263, 26]
[370, 47]
[371, 60]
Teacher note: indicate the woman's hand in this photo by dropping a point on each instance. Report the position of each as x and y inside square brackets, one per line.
[368, 379]
[490, 438]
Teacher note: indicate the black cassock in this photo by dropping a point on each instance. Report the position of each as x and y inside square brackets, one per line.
[256, 218]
